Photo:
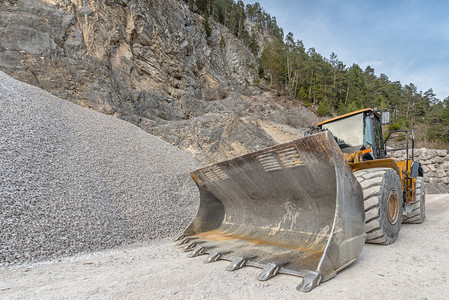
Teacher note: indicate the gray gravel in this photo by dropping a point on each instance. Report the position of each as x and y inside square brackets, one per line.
[415, 267]
[74, 180]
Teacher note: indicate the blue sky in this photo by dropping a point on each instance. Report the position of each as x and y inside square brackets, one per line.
[406, 40]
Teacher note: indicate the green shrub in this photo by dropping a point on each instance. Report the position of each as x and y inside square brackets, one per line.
[207, 25]
[394, 126]
[324, 108]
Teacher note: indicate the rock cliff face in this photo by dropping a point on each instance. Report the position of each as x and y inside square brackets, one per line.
[147, 62]
[116, 58]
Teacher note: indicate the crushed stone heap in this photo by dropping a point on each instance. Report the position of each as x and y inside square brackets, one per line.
[75, 180]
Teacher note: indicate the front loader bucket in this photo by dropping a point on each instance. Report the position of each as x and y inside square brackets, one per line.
[294, 208]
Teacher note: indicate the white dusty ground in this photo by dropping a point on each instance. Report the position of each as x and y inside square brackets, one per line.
[415, 267]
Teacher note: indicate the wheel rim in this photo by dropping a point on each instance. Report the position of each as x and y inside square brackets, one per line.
[393, 207]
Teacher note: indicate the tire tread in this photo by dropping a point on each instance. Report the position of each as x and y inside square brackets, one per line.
[371, 181]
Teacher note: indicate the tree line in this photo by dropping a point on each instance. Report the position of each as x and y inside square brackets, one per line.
[235, 16]
[326, 84]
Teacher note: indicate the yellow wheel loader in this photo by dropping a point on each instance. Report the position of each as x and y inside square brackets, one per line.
[306, 207]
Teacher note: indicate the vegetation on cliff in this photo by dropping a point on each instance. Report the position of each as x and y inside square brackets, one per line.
[326, 84]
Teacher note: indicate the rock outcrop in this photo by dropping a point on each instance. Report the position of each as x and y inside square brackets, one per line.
[145, 58]
[147, 62]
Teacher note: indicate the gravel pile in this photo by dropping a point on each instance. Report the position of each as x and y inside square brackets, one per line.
[74, 180]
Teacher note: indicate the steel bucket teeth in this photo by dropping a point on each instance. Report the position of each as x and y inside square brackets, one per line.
[270, 271]
[192, 246]
[215, 256]
[310, 281]
[297, 202]
[238, 263]
[186, 240]
[180, 237]
[199, 251]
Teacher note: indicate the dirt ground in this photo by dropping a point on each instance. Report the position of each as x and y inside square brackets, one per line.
[415, 267]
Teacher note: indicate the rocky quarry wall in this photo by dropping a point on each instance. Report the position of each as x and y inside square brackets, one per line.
[435, 164]
[150, 63]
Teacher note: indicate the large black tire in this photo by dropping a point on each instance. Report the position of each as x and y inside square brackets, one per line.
[418, 213]
[383, 201]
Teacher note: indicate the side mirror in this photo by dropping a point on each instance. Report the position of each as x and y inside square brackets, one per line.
[387, 116]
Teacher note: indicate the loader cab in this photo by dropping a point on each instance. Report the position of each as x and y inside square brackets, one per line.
[357, 131]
